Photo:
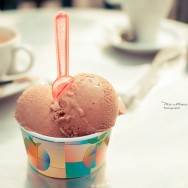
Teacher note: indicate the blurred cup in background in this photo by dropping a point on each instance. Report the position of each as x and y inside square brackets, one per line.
[9, 48]
[145, 17]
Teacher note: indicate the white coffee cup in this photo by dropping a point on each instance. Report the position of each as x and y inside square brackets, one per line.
[145, 17]
[9, 47]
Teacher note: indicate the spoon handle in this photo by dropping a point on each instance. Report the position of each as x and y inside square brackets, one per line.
[62, 43]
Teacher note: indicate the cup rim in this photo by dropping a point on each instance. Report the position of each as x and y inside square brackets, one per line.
[57, 139]
[13, 39]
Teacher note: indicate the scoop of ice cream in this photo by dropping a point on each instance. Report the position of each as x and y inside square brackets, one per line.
[33, 111]
[87, 105]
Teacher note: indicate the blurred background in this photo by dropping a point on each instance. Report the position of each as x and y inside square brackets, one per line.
[179, 11]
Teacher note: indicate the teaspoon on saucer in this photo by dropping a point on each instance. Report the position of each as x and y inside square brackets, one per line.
[142, 88]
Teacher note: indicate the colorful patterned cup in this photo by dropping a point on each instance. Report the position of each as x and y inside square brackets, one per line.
[66, 157]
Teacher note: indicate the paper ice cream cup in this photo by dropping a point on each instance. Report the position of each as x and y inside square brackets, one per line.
[66, 157]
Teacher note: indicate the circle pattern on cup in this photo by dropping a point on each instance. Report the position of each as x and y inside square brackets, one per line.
[66, 159]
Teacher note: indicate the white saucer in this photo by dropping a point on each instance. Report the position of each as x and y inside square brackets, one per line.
[17, 76]
[168, 36]
[13, 88]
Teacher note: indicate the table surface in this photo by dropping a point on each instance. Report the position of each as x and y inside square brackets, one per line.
[148, 147]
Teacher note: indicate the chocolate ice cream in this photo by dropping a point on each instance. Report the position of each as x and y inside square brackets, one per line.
[87, 105]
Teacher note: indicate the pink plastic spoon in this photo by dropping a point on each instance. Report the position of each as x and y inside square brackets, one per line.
[62, 47]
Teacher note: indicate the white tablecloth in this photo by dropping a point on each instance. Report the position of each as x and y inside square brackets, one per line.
[148, 148]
